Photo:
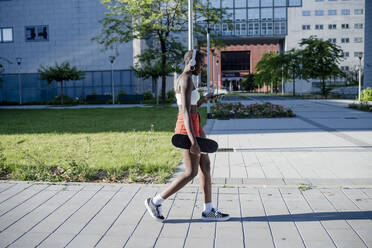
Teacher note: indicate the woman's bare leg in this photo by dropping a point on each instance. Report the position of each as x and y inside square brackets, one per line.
[191, 162]
[205, 178]
[205, 175]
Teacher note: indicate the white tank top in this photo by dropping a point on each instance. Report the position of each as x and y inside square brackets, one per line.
[194, 97]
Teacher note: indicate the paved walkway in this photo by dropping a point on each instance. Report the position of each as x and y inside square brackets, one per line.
[327, 143]
[326, 147]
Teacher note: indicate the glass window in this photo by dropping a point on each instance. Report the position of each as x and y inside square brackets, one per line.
[358, 11]
[283, 28]
[294, 3]
[319, 12]
[345, 54]
[358, 25]
[332, 40]
[280, 14]
[358, 54]
[306, 13]
[215, 3]
[281, 3]
[240, 15]
[229, 15]
[345, 26]
[332, 26]
[305, 27]
[240, 3]
[279, 28]
[345, 40]
[227, 4]
[345, 12]
[319, 26]
[253, 3]
[266, 14]
[358, 40]
[270, 28]
[319, 0]
[253, 28]
[36, 33]
[263, 28]
[6, 34]
[253, 14]
[332, 12]
[240, 29]
[266, 3]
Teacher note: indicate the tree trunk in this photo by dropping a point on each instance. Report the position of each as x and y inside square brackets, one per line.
[323, 88]
[294, 86]
[155, 82]
[62, 92]
[163, 72]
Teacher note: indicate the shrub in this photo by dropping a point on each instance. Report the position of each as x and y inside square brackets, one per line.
[121, 92]
[266, 110]
[57, 100]
[171, 96]
[367, 94]
[363, 106]
[147, 95]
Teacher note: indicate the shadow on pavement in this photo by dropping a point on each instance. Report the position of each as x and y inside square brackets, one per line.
[322, 216]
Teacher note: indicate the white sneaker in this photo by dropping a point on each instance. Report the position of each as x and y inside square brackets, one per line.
[154, 210]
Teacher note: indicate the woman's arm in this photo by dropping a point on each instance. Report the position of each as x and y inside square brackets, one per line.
[207, 98]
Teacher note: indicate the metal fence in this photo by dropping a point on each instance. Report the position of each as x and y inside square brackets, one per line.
[34, 89]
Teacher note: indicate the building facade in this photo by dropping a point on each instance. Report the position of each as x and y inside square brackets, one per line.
[368, 47]
[40, 32]
[249, 29]
[339, 21]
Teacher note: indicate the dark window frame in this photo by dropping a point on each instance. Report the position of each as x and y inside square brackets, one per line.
[36, 34]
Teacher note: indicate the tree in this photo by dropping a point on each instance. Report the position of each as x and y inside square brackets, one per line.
[291, 65]
[157, 20]
[248, 82]
[269, 69]
[60, 73]
[149, 66]
[320, 59]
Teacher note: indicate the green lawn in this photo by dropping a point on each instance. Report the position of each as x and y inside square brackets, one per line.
[126, 145]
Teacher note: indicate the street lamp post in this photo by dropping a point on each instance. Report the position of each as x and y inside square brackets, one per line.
[19, 61]
[218, 78]
[112, 59]
[360, 76]
[212, 51]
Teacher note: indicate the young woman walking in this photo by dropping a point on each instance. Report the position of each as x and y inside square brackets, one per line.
[188, 122]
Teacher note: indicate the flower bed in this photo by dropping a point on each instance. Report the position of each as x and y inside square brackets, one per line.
[363, 106]
[265, 110]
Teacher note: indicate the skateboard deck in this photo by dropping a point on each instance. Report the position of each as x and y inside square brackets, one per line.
[183, 141]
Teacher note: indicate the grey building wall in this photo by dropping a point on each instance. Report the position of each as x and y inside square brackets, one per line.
[368, 46]
[71, 25]
[295, 32]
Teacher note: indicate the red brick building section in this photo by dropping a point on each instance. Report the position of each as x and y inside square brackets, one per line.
[257, 49]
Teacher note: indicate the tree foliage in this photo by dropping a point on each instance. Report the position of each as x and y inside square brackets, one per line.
[157, 21]
[269, 69]
[60, 73]
[320, 59]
